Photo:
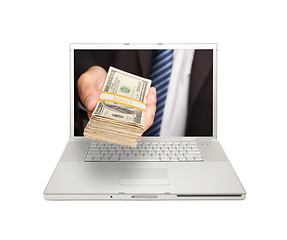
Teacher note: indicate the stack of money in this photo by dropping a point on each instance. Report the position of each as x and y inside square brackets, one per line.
[119, 116]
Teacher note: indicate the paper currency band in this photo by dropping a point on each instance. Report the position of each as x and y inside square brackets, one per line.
[123, 100]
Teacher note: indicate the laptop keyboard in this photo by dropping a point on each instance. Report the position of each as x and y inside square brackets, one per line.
[144, 152]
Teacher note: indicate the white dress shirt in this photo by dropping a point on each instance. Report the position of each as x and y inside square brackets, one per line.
[175, 109]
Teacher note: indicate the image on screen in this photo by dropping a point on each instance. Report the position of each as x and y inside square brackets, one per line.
[183, 79]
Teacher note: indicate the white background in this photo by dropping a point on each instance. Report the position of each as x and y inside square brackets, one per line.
[34, 73]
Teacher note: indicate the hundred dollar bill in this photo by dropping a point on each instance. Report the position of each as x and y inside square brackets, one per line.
[120, 112]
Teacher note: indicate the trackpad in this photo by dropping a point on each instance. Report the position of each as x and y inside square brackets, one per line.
[144, 176]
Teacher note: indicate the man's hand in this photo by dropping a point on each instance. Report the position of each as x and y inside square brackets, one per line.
[90, 85]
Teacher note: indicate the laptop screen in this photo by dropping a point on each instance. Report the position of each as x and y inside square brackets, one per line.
[183, 79]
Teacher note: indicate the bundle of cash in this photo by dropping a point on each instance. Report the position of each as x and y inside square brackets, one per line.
[119, 116]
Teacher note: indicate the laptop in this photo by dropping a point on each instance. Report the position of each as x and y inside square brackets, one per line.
[186, 160]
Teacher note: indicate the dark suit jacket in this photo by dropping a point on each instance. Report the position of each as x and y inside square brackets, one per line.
[199, 118]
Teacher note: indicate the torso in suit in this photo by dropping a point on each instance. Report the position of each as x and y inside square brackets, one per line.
[199, 117]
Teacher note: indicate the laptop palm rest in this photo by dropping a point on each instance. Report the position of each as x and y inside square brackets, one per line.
[144, 176]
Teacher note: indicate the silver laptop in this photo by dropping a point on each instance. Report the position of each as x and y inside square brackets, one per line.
[190, 164]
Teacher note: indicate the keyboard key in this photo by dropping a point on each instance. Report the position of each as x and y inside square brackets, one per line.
[172, 148]
[105, 159]
[138, 159]
[181, 158]
[180, 154]
[88, 159]
[174, 159]
[114, 159]
[156, 148]
[97, 159]
[198, 160]
[192, 155]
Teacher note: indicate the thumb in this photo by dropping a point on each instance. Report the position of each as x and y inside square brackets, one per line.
[91, 103]
[90, 85]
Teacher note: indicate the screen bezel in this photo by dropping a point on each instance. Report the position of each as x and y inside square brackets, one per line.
[137, 46]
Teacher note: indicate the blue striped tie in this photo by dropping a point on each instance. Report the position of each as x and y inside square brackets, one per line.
[160, 75]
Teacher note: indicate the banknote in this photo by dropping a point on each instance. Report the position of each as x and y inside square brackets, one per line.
[119, 116]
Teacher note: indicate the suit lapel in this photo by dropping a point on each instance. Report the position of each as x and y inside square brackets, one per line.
[201, 67]
[145, 59]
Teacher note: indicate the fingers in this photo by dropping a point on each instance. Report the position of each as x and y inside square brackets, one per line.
[153, 90]
[150, 108]
[90, 85]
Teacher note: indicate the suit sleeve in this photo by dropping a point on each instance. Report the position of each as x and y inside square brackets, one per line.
[133, 61]
[200, 108]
